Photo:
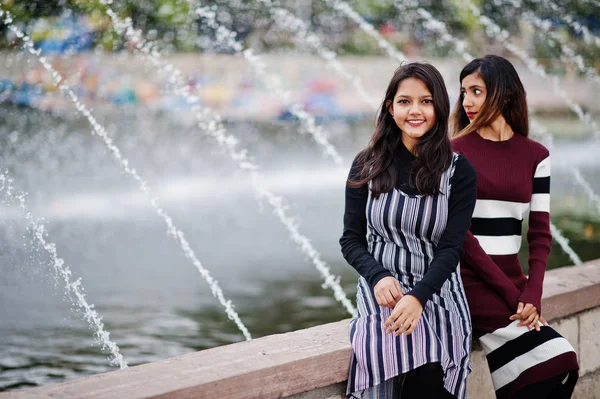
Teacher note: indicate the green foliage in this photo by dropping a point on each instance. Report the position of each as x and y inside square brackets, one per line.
[28, 9]
[173, 23]
[109, 40]
[172, 12]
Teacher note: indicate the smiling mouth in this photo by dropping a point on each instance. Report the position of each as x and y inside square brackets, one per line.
[416, 122]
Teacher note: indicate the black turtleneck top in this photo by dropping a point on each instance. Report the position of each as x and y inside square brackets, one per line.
[449, 250]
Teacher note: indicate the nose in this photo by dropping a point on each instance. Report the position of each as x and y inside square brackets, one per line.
[467, 102]
[415, 109]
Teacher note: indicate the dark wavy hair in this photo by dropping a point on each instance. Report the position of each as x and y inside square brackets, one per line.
[433, 150]
[506, 96]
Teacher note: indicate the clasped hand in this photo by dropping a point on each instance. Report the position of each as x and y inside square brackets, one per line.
[405, 316]
[387, 292]
[407, 309]
[529, 316]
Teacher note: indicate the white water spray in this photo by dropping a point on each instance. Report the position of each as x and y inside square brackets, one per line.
[287, 21]
[273, 83]
[101, 132]
[390, 49]
[211, 123]
[495, 32]
[74, 289]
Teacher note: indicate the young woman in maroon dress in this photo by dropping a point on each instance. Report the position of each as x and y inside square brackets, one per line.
[527, 358]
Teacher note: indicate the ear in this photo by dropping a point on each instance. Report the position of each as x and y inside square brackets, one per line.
[388, 105]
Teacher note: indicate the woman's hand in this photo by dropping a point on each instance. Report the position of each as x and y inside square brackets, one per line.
[387, 292]
[529, 316]
[405, 316]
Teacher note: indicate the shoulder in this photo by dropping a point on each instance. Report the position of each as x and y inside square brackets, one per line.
[537, 150]
[460, 143]
[360, 159]
[463, 170]
[358, 164]
[466, 145]
[463, 182]
[462, 166]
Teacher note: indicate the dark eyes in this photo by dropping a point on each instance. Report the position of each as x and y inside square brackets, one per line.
[424, 101]
[464, 93]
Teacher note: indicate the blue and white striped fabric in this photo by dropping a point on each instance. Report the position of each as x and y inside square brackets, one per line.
[403, 232]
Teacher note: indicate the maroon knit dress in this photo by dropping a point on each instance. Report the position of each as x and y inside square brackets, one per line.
[513, 177]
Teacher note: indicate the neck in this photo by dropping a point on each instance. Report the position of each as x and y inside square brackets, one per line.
[410, 143]
[499, 130]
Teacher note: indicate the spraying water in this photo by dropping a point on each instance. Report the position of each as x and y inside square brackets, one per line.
[369, 29]
[569, 55]
[594, 3]
[586, 187]
[440, 27]
[494, 31]
[301, 34]
[74, 289]
[273, 83]
[580, 29]
[211, 123]
[564, 244]
[101, 132]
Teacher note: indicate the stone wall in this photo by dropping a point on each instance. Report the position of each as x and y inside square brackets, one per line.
[313, 363]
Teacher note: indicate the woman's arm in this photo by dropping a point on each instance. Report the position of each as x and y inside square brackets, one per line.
[476, 259]
[354, 238]
[538, 235]
[446, 256]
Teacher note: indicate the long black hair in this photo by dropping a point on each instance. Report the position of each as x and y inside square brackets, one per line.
[506, 96]
[433, 150]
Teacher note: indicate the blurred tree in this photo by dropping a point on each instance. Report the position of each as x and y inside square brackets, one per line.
[33, 8]
[175, 25]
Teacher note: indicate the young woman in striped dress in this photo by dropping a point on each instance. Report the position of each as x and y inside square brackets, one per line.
[409, 202]
[527, 358]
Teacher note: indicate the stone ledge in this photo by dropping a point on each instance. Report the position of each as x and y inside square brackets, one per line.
[589, 343]
[284, 364]
[569, 290]
[588, 387]
[270, 367]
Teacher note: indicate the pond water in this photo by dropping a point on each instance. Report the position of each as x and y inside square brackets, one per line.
[152, 299]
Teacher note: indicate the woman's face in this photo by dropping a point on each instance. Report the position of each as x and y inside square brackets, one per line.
[412, 109]
[473, 92]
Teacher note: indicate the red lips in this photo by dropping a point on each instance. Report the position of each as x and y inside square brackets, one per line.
[471, 115]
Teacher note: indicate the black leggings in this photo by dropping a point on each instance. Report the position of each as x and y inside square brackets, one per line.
[426, 381]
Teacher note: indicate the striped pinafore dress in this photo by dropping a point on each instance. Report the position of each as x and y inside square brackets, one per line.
[403, 231]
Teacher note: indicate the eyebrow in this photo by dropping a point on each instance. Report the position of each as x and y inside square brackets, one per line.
[405, 96]
[473, 87]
